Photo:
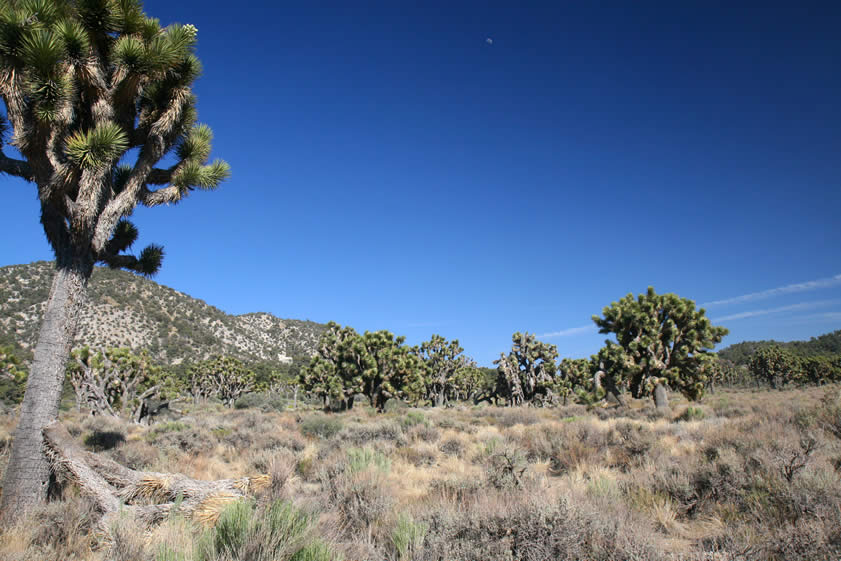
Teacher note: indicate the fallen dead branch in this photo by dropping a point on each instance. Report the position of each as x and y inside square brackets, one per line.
[147, 496]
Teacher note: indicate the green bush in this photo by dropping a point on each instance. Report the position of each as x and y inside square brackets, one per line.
[692, 414]
[407, 536]
[278, 532]
[413, 418]
[265, 402]
[322, 426]
[360, 459]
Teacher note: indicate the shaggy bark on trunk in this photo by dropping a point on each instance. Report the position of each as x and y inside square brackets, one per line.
[27, 477]
[147, 496]
[661, 398]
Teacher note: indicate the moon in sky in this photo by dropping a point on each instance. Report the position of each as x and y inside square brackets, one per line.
[489, 41]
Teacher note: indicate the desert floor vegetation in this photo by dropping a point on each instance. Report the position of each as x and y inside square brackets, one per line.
[738, 475]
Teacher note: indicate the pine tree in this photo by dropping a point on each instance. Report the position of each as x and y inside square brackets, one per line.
[96, 95]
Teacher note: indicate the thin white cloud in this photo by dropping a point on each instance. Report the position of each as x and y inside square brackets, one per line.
[569, 332]
[779, 291]
[766, 311]
[812, 318]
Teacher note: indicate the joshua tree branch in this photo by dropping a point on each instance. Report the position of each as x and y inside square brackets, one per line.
[167, 195]
[160, 176]
[18, 168]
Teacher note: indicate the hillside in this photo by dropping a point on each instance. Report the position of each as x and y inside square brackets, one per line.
[125, 310]
[827, 344]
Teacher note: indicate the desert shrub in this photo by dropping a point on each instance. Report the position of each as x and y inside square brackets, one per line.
[135, 454]
[163, 428]
[632, 444]
[250, 401]
[452, 447]
[509, 416]
[568, 447]
[418, 455]
[264, 401]
[250, 431]
[359, 459]
[506, 468]
[321, 426]
[127, 542]
[291, 441]
[530, 528]
[183, 437]
[306, 467]
[809, 540]
[424, 432]
[456, 425]
[361, 434]
[63, 529]
[360, 499]
[691, 414]
[828, 413]
[277, 532]
[456, 490]
[412, 418]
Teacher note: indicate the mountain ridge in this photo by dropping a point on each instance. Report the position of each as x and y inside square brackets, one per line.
[126, 310]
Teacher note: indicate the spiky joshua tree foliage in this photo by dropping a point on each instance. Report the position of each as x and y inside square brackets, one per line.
[661, 340]
[528, 374]
[96, 95]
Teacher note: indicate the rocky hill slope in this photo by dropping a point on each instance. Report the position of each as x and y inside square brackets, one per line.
[124, 310]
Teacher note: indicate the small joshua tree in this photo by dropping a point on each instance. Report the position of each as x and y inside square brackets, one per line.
[116, 381]
[225, 378]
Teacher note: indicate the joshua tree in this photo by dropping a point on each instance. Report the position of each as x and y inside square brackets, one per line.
[446, 367]
[776, 365]
[663, 340]
[334, 374]
[96, 94]
[376, 364]
[225, 378]
[114, 381]
[527, 374]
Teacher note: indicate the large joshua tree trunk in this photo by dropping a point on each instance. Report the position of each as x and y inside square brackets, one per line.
[28, 474]
[661, 398]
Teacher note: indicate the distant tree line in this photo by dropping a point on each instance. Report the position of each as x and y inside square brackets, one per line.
[662, 342]
[659, 343]
[827, 345]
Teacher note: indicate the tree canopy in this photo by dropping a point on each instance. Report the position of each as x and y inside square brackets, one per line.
[527, 373]
[375, 364]
[661, 339]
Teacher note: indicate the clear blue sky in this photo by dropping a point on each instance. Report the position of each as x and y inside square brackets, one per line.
[479, 168]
